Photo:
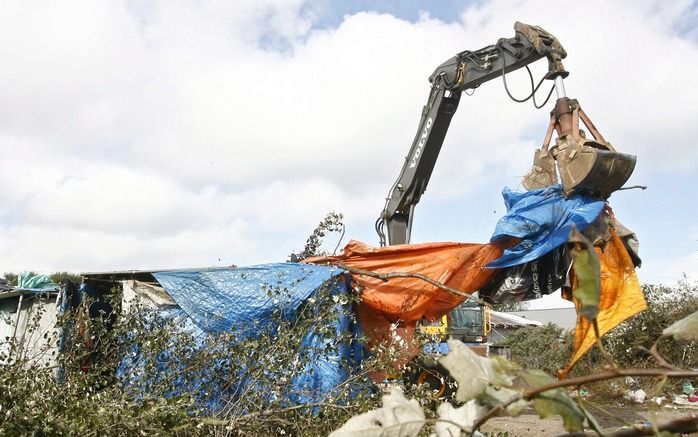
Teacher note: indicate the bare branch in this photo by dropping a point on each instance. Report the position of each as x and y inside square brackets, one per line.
[581, 380]
[682, 425]
[657, 356]
[612, 374]
[386, 276]
[599, 343]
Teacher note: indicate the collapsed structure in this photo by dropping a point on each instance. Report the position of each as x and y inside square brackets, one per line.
[388, 310]
[31, 301]
[526, 258]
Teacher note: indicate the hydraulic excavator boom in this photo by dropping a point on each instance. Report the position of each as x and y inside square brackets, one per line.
[590, 166]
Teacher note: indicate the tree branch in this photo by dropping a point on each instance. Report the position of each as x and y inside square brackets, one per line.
[599, 343]
[657, 356]
[612, 374]
[581, 380]
[682, 425]
[386, 276]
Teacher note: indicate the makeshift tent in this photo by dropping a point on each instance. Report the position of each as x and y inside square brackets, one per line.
[28, 320]
[28, 281]
[536, 224]
[246, 300]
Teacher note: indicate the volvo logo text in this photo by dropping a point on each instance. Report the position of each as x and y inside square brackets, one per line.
[420, 145]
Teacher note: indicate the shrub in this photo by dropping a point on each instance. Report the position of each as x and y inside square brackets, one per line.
[665, 305]
[148, 373]
[547, 348]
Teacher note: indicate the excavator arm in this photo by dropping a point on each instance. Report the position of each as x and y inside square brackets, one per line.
[466, 70]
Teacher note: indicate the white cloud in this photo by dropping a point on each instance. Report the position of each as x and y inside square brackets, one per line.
[670, 260]
[46, 249]
[147, 128]
[671, 268]
[628, 67]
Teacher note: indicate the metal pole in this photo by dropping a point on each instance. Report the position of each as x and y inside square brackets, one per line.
[19, 312]
[560, 87]
[14, 331]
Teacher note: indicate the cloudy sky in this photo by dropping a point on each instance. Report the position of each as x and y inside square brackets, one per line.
[165, 134]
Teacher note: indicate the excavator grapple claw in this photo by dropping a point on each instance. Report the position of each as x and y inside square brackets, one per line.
[594, 171]
[590, 167]
[542, 173]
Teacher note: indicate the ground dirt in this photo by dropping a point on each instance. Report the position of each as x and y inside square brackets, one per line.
[614, 417]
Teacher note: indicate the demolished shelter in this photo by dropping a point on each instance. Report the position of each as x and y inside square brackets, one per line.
[525, 259]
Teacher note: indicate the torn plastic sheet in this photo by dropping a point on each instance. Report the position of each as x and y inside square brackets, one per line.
[245, 300]
[621, 297]
[542, 220]
[527, 281]
[222, 299]
[390, 310]
[30, 282]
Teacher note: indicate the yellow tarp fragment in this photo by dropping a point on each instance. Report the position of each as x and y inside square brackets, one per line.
[621, 297]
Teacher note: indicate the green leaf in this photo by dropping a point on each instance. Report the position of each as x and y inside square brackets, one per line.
[588, 271]
[494, 396]
[593, 423]
[536, 378]
[500, 391]
[554, 402]
[684, 329]
[472, 372]
[505, 370]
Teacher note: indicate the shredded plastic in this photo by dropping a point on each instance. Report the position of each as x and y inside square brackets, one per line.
[542, 220]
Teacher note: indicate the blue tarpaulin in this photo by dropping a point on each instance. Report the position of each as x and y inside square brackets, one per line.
[36, 283]
[542, 219]
[221, 299]
[248, 300]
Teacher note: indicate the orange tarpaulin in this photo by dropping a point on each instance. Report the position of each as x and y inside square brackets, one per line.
[621, 297]
[408, 300]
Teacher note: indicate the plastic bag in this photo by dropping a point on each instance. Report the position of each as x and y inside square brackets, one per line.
[531, 280]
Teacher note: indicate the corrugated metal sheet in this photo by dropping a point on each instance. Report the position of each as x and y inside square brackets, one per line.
[33, 325]
[508, 320]
[565, 318]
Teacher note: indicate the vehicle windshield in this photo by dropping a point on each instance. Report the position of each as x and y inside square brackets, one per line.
[468, 318]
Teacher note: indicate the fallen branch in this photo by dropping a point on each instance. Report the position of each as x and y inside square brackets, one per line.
[657, 356]
[276, 411]
[682, 425]
[387, 276]
[581, 380]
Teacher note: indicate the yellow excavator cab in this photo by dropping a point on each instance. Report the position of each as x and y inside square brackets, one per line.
[467, 322]
[437, 327]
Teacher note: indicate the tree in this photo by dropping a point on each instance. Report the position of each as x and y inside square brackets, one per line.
[631, 341]
[331, 223]
[508, 307]
[547, 348]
